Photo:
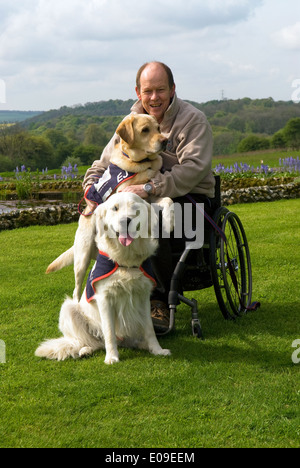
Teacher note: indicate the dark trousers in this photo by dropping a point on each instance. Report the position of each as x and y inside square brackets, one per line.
[162, 264]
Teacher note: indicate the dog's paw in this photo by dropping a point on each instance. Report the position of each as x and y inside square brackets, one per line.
[109, 360]
[161, 352]
[165, 352]
[86, 351]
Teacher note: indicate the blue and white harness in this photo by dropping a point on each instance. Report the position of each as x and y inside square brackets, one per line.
[112, 178]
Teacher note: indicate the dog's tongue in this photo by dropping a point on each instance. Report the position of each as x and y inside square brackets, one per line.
[126, 240]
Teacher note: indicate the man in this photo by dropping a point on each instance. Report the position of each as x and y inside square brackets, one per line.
[187, 164]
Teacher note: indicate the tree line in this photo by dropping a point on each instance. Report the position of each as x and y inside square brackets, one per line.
[80, 133]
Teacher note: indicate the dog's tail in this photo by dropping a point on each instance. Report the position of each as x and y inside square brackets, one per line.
[65, 259]
[79, 338]
[59, 349]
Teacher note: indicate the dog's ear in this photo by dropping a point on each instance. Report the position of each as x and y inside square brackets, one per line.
[125, 130]
[100, 214]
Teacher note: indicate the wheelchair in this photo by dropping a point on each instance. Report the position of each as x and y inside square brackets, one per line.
[223, 263]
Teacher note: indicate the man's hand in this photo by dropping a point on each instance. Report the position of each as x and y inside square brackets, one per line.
[137, 189]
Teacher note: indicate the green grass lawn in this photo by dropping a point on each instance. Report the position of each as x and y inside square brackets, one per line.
[237, 388]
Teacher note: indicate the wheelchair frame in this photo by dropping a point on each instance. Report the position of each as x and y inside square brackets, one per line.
[223, 262]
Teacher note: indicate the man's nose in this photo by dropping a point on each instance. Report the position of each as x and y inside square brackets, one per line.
[154, 95]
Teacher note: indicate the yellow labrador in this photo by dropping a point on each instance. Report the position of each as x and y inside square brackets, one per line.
[115, 306]
[135, 160]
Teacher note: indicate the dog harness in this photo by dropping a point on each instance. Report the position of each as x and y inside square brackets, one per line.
[112, 178]
[105, 267]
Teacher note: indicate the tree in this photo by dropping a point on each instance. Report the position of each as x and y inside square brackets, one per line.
[37, 153]
[95, 135]
[87, 154]
[292, 133]
[56, 137]
[22, 148]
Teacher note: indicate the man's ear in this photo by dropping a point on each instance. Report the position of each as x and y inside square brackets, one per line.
[125, 130]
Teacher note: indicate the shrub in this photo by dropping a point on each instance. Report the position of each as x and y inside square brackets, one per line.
[253, 143]
[6, 164]
[292, 133]
[279, 140]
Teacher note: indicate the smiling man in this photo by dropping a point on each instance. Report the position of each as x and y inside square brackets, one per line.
[155, 89]
[187, 163]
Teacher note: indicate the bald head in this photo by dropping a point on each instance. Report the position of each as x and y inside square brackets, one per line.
[155, 67]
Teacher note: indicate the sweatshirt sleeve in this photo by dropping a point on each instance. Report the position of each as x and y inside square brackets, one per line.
[99, 167]
[194, 155]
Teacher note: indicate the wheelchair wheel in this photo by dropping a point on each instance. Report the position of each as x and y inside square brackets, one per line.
[231, 265]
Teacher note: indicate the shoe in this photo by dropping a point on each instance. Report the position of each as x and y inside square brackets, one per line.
[160, 317]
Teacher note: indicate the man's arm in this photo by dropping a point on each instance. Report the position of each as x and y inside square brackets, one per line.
[194, 155]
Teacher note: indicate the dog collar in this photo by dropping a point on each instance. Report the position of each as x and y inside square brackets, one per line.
[137, 162]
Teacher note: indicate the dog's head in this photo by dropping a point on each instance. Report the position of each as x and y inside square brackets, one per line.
[125, 224]
[140, 133]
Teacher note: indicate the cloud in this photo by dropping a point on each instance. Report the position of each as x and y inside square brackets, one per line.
[44, 22]
[42, 36]
[289, 37]
[55, 53]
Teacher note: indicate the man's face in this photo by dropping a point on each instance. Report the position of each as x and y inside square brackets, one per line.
[155, 93]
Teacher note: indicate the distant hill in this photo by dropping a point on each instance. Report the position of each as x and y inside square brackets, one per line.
[7, 116]
[111, 108]
[262, 116]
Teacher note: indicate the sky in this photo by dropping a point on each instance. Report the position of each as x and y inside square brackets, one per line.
[56, 53]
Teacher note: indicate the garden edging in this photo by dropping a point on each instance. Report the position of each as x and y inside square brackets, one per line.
[68, 213]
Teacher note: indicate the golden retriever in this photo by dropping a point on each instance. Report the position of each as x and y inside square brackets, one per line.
[137, 154]
[115, 306]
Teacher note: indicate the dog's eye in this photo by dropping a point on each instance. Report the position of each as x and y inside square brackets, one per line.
[146, 130]
[115, 208]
